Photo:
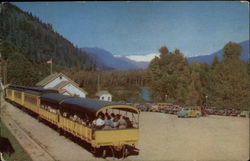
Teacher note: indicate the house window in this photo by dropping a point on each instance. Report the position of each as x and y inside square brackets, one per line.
[102, 98]
[108, 98]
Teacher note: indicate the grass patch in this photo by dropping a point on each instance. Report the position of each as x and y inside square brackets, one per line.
[19, 154]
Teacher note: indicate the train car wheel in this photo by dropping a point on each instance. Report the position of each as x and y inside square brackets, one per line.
[59, 130]
[112, 150]
[125, 151]
[93, 151]
[104, 152]
[38, 118]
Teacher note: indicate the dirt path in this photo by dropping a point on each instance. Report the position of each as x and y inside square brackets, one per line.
[162, 137]
[35, 151]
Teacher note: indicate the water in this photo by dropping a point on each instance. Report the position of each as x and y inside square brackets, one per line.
[145, 94]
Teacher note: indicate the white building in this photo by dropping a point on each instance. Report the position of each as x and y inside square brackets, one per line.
[63, 84]
[104, 95]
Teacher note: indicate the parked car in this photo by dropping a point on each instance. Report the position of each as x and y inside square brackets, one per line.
[154, 108]
[189, 112]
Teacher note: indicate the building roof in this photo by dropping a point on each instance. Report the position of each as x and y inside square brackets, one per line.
[59, 86]
[49, 79]
[100, 93]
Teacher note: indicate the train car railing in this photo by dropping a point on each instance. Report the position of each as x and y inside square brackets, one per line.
[18, 97]
[49, 116]
[116, 137]
[31, 105]
[75, 128]
[10, 94]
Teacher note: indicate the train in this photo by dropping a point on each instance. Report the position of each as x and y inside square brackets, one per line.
[74, 116]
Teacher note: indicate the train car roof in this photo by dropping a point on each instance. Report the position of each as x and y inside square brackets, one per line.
[32, 92]
[41, 90]
[55, 98]
[94, 106]
[17, 87]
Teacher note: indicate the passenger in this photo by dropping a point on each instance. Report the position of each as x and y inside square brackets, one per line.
[79, 120]
[112, 116]
[84, 122]
[129, 123]
[109, 124]
[116, 121]
[122, 123]
[99, 122]
[65, 114]
[74, 117]
[107, 115]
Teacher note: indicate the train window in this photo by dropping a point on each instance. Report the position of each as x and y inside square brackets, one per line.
[30, 99]
[115, 119]
[17, 94]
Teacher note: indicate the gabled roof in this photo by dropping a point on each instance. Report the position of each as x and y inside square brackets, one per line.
[49, 79]
[100, 93]
[61, 84]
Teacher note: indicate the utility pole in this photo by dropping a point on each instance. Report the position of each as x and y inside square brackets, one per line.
[98, 83]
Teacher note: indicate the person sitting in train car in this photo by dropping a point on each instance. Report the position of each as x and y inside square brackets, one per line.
[122, 122]
[99, 122]
[64, 114]
[116, 123]
[129, 123]
[112, 116]
[78, 120]
[74, 117]
[84, 122]
[71, 117]
[109, 124]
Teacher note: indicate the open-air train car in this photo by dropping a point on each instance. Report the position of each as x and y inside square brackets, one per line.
[59, 110]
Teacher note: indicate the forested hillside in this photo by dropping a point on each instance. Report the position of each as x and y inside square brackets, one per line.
[27, 43]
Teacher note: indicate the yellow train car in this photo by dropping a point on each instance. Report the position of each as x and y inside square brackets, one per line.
[27, 97]
[75, 116]
[14, 94]
[9, 93]
[49, 108]
[18, 96]
[31, 100]
[78, 117]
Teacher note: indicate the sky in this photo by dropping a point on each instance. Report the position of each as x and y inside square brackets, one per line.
[141, 28]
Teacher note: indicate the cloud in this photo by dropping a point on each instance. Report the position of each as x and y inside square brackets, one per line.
[145, 58]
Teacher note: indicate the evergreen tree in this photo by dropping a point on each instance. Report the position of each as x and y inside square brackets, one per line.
[231, 79]
[169, 76]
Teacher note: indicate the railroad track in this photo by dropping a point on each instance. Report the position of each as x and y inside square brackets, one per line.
[31, 146]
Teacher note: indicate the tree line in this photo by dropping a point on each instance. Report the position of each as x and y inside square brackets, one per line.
[223, 84]
[124, 85]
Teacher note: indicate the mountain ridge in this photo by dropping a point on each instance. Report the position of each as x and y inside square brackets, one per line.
[105, 60]
[209, 58]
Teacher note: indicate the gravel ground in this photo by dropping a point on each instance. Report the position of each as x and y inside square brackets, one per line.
[162, 137]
